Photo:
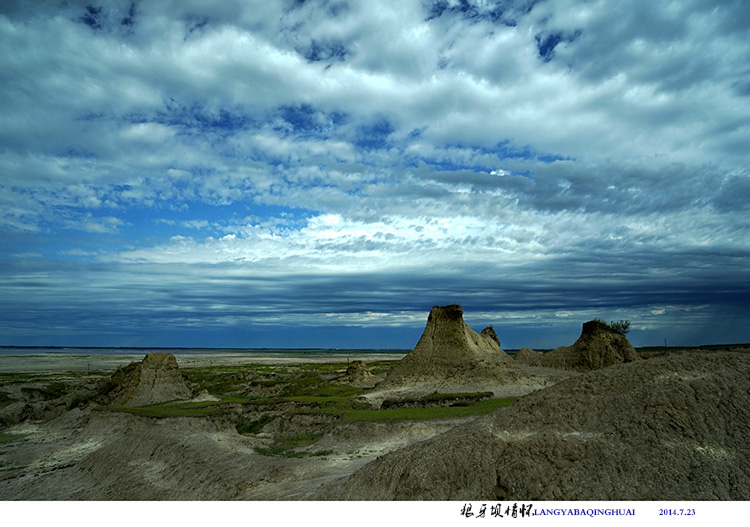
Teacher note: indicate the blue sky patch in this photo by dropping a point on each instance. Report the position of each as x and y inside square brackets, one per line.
[374, 135]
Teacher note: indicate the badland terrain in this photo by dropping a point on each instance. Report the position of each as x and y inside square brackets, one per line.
[458, 418]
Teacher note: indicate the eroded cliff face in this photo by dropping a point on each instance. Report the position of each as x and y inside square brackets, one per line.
[156, 379]
[598, 346]
[449, 348]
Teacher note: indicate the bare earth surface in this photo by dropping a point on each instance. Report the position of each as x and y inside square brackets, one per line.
[95, 455]
[667, 428]
[672, 427]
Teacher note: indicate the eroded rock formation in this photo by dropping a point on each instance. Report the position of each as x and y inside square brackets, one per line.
[357, 374]
[598, 346]
[156, 379]
[450, 349]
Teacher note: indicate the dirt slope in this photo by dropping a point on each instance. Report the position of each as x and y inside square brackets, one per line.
[671, 428]
[101, 455]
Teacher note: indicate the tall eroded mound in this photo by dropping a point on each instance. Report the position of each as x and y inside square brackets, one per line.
[598, 346]
[450, 349]
[156, 379]
[529, 357]
[670, 428]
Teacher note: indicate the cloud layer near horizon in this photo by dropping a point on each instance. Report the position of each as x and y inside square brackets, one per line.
[289, 169]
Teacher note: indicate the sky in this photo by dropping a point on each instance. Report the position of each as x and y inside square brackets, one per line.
[322, 173]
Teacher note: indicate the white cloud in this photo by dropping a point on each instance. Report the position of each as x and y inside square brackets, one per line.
[392, 138]
[95, 225]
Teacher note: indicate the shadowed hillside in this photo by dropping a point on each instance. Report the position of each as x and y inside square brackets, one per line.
[671, 428]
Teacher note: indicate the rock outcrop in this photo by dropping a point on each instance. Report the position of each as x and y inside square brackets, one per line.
[156, 379]
[489, 332]
[598, 346]
[357, 374]
[669, 428]
[450, 349]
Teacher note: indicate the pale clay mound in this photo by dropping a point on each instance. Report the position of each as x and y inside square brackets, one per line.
[668, 428]
[156, 379]
[450, 349]
[529, 357]
[598, 346]
[357, 374]
[451, 357]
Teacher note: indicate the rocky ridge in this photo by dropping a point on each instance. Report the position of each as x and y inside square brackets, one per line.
[668, 428]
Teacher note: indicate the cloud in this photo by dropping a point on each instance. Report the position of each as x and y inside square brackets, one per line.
[97, 225]
[406, 144]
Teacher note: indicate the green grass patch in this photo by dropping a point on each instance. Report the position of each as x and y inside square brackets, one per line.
[325, 367]
[20, 377]
[247, 426]
[314, 386]
[189, 409]
[5, 399]
[315, 401]
[439, 399]
[269, 382]
[82, 400]
[216, 381]
[403, 414]
[169, 411]
[301, 386]
[331, 404]
[51, 391]
[336, 390]
[7, 438]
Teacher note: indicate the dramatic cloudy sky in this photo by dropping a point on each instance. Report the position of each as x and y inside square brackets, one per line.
[321, 173]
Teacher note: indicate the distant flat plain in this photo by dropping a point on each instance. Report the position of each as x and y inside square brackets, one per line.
[39, 360]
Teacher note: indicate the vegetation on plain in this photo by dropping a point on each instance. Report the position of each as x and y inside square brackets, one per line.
[440, 412]
[48, 392]
[246, 426]
[287, 447]
[5, 399]
[183, 409]
[318, 389]
[7, 438]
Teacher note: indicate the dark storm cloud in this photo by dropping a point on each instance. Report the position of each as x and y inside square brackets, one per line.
[85, 299]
